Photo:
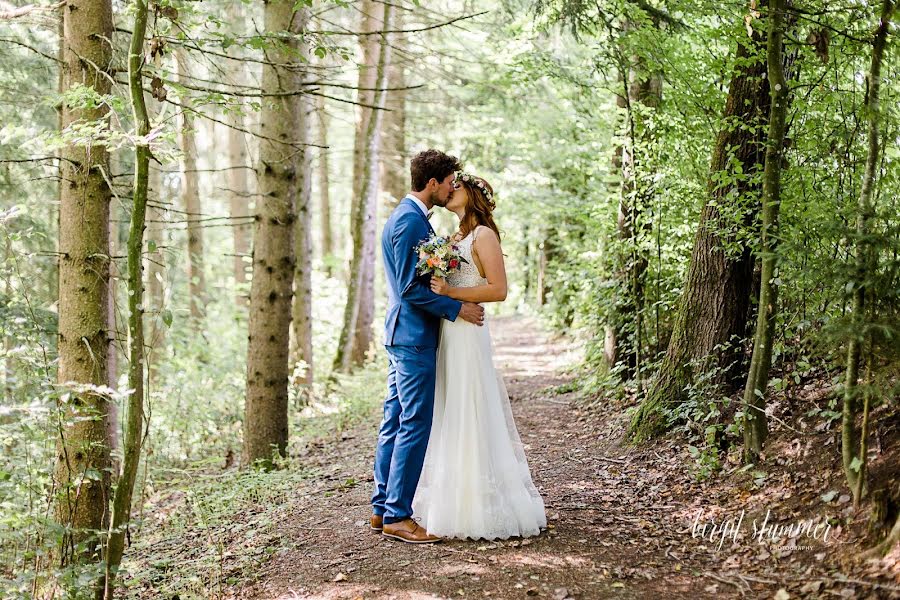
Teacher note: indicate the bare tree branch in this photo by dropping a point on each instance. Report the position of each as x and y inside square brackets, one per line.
[9, 12]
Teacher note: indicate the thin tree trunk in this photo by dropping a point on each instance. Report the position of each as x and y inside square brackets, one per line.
[156, 269]
[190, 199]
[134, 425]
[643, 88]
[542, 285]
[860, 486]
[81, 474]
[327, 251]
[866, 261]
[374, 75]
[9, 371]
[394, 165]
[713, 310]
[526, 261]
[754, 409]
[112, 355]
[239, 184]
[612, 327]
[301, 319]
[265, 418]
[356, 333]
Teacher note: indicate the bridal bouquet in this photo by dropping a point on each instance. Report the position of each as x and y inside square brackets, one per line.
[438, 256]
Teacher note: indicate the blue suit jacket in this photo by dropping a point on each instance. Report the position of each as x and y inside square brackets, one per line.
[414, 311]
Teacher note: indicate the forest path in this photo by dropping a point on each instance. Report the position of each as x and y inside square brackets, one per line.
[619, 517]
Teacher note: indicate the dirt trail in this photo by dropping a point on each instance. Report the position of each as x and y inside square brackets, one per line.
[620, 518]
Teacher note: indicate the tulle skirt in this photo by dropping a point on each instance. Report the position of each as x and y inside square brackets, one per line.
[475, 481]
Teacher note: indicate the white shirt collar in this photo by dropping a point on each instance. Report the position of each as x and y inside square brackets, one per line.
[419, 203]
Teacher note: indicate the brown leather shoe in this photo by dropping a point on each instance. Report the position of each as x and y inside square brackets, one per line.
[376, 522]
[409, 531]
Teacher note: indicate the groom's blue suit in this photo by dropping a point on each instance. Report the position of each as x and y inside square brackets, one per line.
[411, 329]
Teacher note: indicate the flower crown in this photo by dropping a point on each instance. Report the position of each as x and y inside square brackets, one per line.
[477, 182]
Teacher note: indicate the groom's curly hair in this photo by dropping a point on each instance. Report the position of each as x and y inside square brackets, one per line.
[431, 164]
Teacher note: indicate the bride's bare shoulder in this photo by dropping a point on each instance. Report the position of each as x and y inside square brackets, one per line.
[483, 232]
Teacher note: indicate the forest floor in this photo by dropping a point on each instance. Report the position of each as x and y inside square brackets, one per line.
[621, 518]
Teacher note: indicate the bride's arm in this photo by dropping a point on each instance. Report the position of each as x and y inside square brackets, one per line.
[487, 247]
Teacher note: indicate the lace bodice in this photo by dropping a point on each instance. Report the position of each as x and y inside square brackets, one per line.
[468, 275]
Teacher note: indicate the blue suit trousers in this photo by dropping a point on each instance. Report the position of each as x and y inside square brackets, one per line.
[405, 428]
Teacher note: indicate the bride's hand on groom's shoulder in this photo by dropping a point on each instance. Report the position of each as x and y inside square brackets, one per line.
[440, 286]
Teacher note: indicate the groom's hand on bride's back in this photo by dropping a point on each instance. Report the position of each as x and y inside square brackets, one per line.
[473, 313]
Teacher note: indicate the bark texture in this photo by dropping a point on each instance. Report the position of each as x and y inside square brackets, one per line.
[81, 473]
[265, 418]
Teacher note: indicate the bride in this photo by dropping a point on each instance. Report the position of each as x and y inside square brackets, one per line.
[475, 481]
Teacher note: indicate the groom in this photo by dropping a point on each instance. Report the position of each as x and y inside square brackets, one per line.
[411, 335]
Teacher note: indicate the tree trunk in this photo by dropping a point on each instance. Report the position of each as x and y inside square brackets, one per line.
[265, 418]
[135, 423]
[81, 473]
[526, 261]
[542, 286]
[190, 198]
[356, 334]
[714, 306]
[327, 251]
[866, 261]
[394, 166]
[9, 371]
[301, 319]
[156, 269]
[112, 355]
[239, 184]
[372, 76]
[642, 93]
[754, 409]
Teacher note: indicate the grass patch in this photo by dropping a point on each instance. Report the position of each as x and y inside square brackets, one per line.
[208, 529]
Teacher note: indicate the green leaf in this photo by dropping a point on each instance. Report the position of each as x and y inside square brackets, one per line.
[321, 52]
[167, 317]
[151, 245]
[855, 464]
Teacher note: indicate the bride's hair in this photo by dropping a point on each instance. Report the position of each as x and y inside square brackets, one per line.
[479, 205]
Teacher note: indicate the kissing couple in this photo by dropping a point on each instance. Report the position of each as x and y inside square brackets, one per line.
[449, 461]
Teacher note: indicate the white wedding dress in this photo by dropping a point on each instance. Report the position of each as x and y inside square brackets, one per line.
[475, 481]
